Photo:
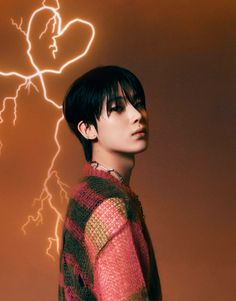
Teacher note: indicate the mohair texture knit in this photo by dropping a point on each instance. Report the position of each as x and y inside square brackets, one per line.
[106, 252]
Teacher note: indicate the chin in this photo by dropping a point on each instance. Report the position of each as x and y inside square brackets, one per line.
[134, 149]
[141, 148]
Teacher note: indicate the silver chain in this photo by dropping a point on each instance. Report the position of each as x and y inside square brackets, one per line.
[109, 170]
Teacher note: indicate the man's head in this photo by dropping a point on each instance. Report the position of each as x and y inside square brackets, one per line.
[106, 105]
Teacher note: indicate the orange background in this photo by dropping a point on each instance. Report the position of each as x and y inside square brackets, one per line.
[184, 53]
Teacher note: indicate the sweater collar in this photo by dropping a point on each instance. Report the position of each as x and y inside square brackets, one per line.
[89, 170]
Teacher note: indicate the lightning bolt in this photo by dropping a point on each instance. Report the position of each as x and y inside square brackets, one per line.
[46, 196]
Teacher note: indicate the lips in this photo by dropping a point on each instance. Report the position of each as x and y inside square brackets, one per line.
[141, 130]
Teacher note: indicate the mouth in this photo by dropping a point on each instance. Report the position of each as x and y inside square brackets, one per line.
[140, 131]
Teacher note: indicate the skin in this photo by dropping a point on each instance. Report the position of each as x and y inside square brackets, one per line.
[114, 146]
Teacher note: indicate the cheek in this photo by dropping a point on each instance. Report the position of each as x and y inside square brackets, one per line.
[114, 131]
[115, 135]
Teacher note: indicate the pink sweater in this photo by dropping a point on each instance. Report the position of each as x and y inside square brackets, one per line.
[106, 252]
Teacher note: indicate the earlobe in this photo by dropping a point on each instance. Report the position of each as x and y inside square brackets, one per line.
[87, 130]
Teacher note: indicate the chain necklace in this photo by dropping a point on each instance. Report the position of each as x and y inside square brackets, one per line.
[109, 170]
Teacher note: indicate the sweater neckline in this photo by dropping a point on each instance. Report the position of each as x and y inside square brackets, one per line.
[89, 170]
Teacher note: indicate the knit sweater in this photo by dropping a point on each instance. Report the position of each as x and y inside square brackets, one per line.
[106, 252]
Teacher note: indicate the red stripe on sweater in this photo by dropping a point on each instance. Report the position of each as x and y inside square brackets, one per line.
[86, 196]
[74, 230]
[71, 261]
[70, 294]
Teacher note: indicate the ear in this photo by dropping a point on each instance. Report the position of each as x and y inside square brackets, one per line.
[87, 130]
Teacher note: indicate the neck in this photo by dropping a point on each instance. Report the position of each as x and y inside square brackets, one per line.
[122, 163]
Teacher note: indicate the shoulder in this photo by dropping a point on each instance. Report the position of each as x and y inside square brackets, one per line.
[107, 218]
[92, 196]
[104, 223]
[92, 191]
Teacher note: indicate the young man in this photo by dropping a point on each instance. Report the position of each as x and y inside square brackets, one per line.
[106, 251]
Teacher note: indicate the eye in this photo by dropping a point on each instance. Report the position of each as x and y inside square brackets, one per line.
[140, 104]
[117, 108]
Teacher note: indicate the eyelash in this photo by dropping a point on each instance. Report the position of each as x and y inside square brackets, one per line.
[116, 108]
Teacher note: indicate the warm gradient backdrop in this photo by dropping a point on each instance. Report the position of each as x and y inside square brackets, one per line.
[185, 54]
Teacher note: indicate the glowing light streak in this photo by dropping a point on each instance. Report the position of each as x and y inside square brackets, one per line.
[19, 27]
[46, 196]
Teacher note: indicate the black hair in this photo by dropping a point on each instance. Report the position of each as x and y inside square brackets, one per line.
[84, 99]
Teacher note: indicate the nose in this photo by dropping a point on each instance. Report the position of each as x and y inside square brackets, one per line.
[135, 114]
